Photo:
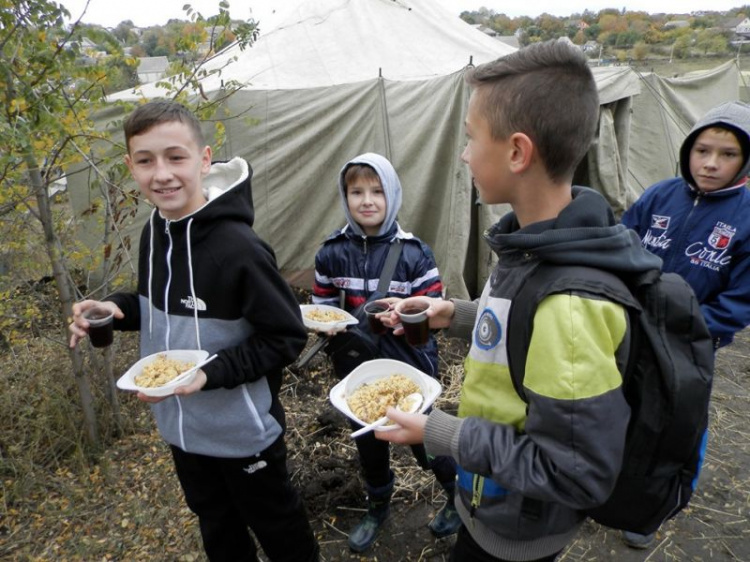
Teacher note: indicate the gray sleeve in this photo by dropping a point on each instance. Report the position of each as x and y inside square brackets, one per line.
[463, 320]
[441, 434]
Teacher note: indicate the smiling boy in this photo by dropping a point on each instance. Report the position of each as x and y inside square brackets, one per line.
[207, 281]
[350, 263]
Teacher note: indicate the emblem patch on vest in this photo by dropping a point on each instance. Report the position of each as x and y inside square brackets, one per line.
[489, 331]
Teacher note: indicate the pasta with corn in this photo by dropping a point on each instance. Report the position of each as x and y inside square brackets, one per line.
[369, 401]
[325, 316]
[161, 371]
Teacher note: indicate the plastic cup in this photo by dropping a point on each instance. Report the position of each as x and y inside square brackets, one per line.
[413, 315]
[100, 326]
[372, 309]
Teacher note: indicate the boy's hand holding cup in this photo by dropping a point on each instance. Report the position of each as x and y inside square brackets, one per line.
[413, 315]
[94, 318]
[375, 311]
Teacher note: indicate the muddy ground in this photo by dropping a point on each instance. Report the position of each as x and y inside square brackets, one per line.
[127, 506]
[323, 459]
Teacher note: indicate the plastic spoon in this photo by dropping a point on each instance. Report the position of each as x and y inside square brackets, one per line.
[184, 374]
[414, 400]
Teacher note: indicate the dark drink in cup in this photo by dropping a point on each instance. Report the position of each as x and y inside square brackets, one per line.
[413, 314]
[100, 326]
[372, 309]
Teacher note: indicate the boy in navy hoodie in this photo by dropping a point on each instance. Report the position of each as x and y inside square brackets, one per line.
[699, 225]
[351, 261]
[206, 281]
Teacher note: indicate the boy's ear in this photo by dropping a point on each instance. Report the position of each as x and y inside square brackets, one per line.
[206, 160]
[522, 152]
[129, 162]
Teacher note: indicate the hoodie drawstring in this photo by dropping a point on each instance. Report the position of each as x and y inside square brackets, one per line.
[151, 275]
[192, 285]
[169, 282]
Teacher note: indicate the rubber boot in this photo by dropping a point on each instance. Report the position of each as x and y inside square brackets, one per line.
[365, 532]
[447, 521]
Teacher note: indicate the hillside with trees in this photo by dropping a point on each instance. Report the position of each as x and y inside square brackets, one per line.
[628, 35]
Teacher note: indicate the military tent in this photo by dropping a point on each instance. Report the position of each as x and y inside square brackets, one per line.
[335, 78]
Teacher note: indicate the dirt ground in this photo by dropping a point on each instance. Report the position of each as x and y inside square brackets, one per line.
[128, 505]
[323, 459]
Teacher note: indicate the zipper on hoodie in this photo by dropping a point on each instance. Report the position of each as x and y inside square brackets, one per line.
[685, 228]
[477, 486]
[365, 269]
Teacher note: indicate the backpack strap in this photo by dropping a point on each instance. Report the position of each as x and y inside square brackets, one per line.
[545, 280]
[386, 274]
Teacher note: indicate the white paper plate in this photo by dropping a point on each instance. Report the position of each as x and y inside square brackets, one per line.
[370, 371]
[325, 326]
[127, 381]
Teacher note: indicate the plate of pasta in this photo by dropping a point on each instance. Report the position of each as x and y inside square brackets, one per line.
[368, 390]
[323, 317]
[160, 373]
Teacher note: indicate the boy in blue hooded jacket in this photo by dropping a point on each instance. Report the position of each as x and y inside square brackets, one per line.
[350, 262]
[699, 225]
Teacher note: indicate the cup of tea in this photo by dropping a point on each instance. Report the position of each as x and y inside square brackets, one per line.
[413, 315]
[373, 309]
[100, 326]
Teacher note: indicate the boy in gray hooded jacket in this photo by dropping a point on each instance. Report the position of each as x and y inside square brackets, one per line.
[350, 262]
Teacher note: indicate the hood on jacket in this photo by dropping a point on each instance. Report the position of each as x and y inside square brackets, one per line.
[229, 196]
[734, 116]
[228, 192]
[391, 187]
[584, 233]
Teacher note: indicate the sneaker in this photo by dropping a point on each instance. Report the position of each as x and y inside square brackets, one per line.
[636, 540]
[446, 522]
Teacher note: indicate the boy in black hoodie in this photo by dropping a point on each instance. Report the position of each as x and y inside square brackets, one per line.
[206, 281]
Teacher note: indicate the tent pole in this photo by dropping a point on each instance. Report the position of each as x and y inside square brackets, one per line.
[384, 111]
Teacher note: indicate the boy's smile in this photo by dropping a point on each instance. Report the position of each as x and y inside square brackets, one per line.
[367, 205]
[168, 167]
[715, 159]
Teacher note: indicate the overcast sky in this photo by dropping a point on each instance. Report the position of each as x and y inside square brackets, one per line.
[157, 12]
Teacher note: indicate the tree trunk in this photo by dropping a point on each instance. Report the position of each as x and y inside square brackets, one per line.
[66, 295]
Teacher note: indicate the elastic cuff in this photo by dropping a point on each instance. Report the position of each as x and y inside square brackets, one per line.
[441, 434]
[464, 316]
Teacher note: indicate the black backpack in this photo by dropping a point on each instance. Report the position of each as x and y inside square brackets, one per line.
[667, 384]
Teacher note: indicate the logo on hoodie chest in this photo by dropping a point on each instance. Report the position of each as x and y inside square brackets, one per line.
[192, 304]
[656, 236]
[714, 254]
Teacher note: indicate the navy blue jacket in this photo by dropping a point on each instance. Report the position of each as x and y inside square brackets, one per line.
[350, 261]
[705, 238]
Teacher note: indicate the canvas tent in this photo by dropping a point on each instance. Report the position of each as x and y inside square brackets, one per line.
[335, 78]
[663, 115]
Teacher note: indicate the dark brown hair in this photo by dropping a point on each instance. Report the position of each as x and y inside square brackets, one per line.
[546, 91]
[155, 113]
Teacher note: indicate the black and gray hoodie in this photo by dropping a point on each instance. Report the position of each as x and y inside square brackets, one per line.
[207, 281]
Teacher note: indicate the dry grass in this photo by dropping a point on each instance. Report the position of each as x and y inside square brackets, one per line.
[56, 504]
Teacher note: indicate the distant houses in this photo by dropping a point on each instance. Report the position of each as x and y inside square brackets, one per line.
[151, 69]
